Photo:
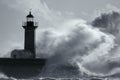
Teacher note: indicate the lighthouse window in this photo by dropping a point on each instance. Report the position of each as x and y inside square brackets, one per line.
[14, 56]
[29, 19]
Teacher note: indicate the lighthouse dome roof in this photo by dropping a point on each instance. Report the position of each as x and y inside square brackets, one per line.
[30, 15]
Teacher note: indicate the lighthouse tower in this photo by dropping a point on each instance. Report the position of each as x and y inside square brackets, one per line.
[30, 27]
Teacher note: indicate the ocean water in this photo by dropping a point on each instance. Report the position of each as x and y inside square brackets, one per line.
[62, 79]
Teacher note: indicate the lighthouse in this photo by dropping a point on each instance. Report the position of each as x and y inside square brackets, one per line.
[29, 51]
[29, 28]
[23, 62]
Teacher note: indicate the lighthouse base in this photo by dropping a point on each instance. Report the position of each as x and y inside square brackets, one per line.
[21, 68]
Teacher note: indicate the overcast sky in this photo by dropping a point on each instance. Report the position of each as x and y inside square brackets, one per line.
[48, 13]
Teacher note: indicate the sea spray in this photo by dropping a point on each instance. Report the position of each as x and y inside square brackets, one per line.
[80, 41]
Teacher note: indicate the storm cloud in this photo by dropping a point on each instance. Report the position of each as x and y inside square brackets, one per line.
[108, 22]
